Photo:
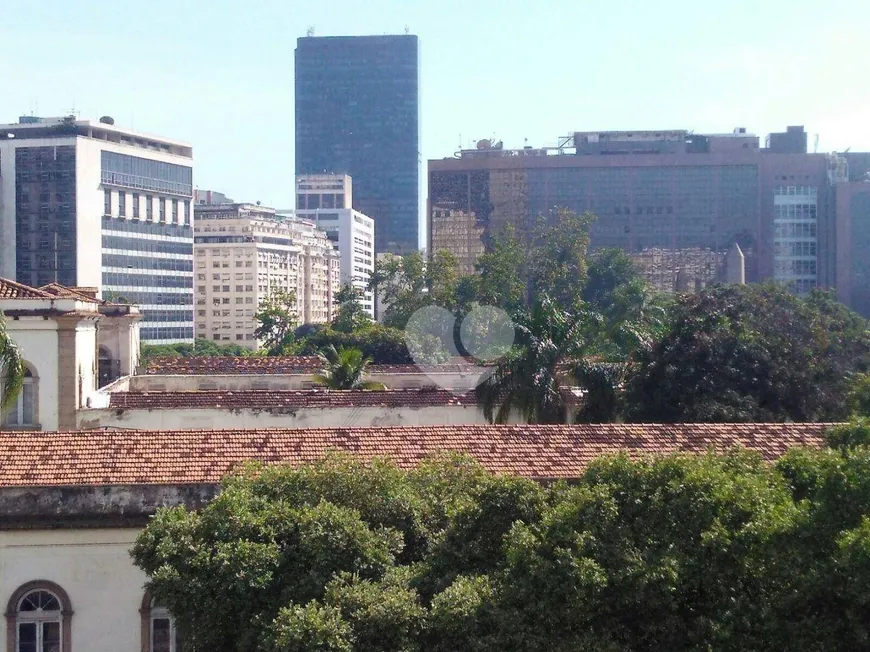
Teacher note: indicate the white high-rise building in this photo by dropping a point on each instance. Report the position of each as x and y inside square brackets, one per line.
[244, 253]
[89, 204]
[326, 199]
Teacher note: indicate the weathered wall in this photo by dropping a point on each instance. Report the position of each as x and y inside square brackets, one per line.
[37, 338]
[250, 419]
[93, 567]
[190, 383]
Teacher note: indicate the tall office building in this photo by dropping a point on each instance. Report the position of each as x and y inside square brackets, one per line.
[677, 201]
[357, 113]
[89, 204]
[244, 254]
[326, 200]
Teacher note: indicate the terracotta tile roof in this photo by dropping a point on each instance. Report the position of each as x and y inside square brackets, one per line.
[261, 399]
[58, 290]
[13, 290]
[107, 457]
[233, 365]
[277, 365]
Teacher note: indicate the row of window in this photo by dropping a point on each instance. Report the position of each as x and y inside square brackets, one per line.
[785, 268]
[795, 230]
[240, 337]
[226, 313]
[800, 248]
[809, 191]
[795, 211]
[153, 280]
[146, 174]
[148, 263]
[40, 618]
[157, 231]
[149, 207]
[150, 334]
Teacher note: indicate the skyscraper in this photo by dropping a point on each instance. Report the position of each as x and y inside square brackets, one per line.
[357, 113]
[87, 203]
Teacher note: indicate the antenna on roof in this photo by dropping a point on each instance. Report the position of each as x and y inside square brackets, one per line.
[309, 31]
[407, 30]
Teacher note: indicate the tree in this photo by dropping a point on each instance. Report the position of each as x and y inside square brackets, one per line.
[384, 345]
[502, 272]
[673, 552]
[558, 258]
[277, 319]
[859, 395]
[408, 283]
[530, 380]
[345, 369]
[350, 315]
[610, 268]
[201, 347]
[751, 353]
[12, 369]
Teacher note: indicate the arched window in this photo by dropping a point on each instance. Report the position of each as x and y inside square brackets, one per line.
[159, 633]
[24, 411]
[38, 619]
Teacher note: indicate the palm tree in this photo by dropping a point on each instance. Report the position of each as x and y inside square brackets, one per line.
[531, 380]
[11, 369]
[345, 368]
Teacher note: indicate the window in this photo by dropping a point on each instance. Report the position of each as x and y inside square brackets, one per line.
[162, 209]
[107, 202]
[187, 211]
[24, 412]
[135, 206]
[122, 204]
[175, 211]
[38, 616]
[149, 208]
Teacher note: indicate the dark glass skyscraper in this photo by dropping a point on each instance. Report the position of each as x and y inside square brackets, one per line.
[357, 113]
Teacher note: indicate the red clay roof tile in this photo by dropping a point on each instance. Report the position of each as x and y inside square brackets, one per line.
[110, 457]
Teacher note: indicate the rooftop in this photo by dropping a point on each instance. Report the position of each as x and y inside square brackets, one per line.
[53, 127]
[10, 289]
[191, 457]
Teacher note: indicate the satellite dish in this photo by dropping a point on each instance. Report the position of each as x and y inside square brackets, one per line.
[484, 144]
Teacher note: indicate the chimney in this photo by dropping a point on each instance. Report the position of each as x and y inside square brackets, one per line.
[735, 265]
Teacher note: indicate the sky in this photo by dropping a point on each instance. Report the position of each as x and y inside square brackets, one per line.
[219, 73]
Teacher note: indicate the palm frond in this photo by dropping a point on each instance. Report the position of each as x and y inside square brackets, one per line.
[11, 369]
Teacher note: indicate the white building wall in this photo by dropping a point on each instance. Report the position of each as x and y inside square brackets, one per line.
[94, 567]
[253, 419]
[354, 235]
[37, 339]
[86, 360]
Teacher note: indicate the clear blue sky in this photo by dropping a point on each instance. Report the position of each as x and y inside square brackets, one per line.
[219, 73]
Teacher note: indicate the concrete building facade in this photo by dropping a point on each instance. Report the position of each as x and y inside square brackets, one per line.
[675, 200]
[327, 201]
[244, 254]
[89, 204]
[357, 114]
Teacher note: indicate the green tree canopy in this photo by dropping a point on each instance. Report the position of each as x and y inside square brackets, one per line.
[677, 552]
[751, 353]
[276, 318]
[350, 316]
[344, 368]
